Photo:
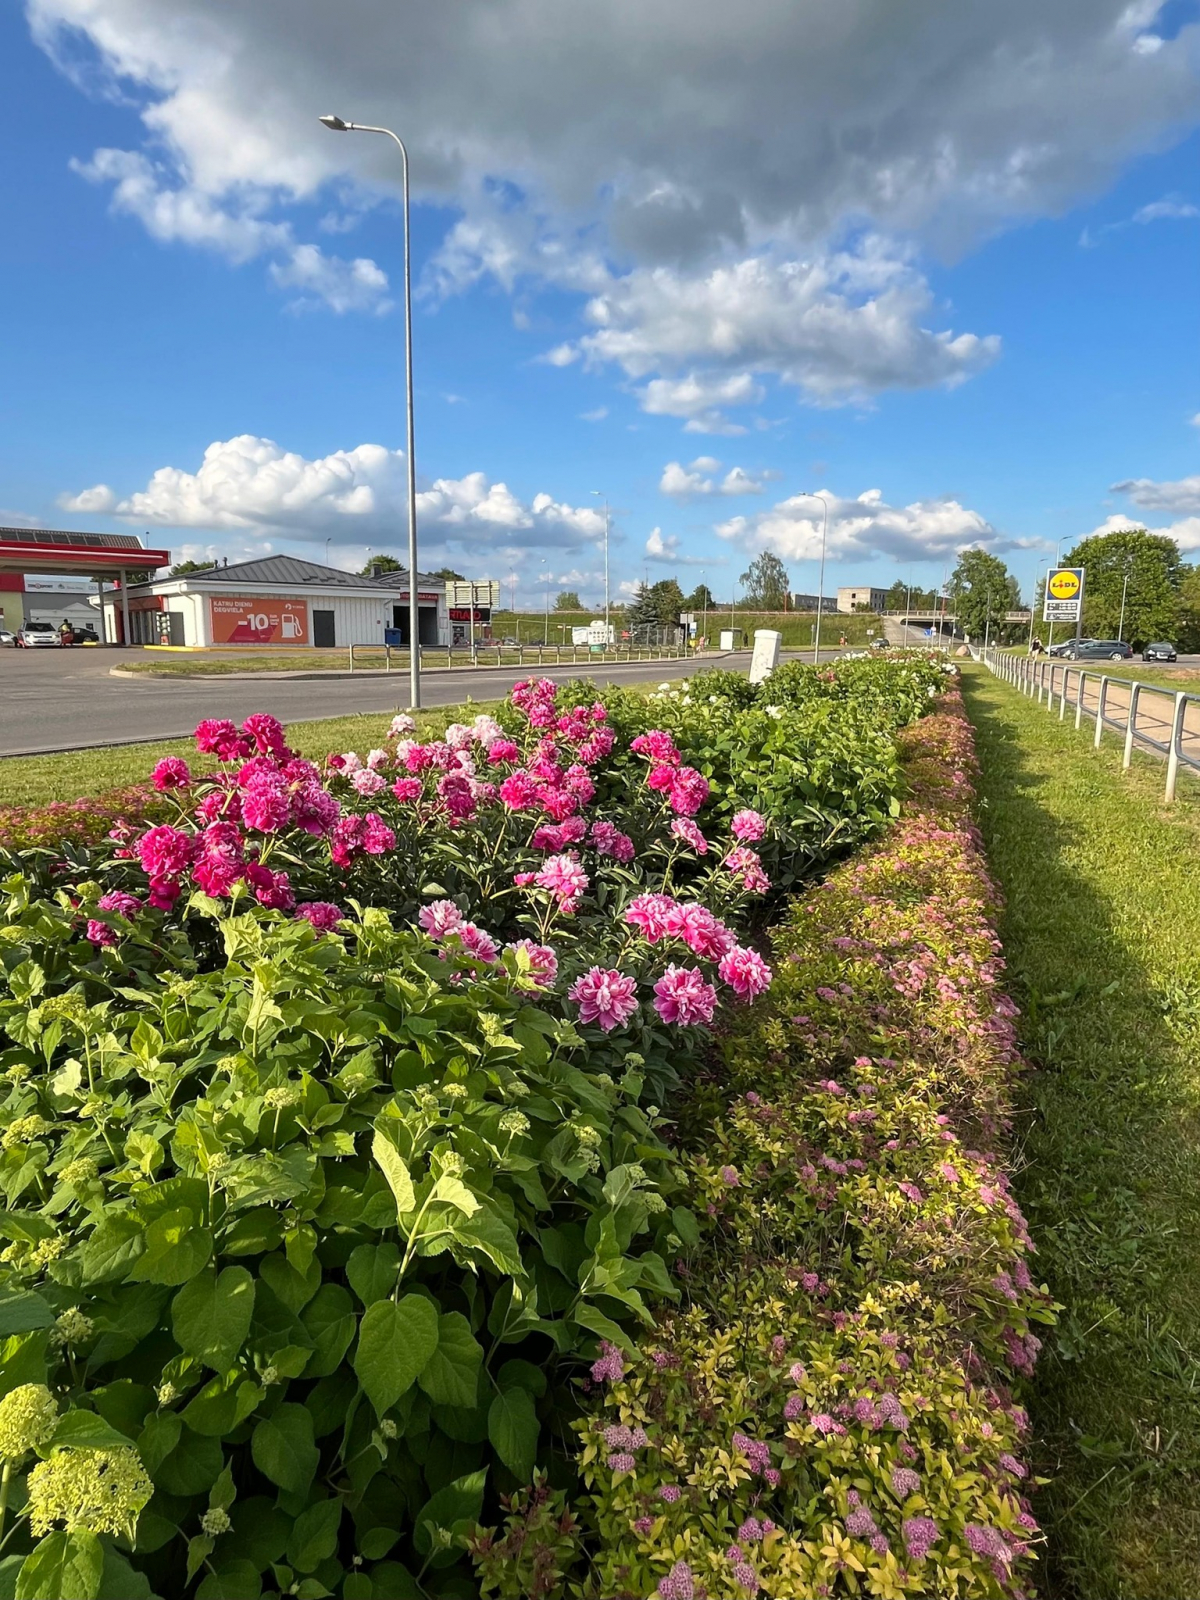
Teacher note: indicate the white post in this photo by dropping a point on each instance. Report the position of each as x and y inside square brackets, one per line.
[125, 605]
[1176, 740]
[103, 625]
[1131, 725]
[1100, 711]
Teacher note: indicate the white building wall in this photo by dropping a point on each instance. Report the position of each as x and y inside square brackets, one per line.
[357, 619]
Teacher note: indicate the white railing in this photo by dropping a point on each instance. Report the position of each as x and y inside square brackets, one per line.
[376, 657]
[1132, 709]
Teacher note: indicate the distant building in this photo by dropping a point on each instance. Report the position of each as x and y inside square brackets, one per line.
[808, 602]
[281, 601]
[867, 599]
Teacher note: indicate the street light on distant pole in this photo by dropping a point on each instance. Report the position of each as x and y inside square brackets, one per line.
[1124, 591]
[807, 494]
[414, 605]
[600, 495]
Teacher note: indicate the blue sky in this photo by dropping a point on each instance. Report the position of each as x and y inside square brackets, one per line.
[948, 278]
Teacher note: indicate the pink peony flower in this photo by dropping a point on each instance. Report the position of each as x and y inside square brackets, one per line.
[519, 792]
[543, 962]
[649, 914]
[745, 971]
[705, 935]
[266, 804]
[377, 838]
[501, 751]
[684, 828]
[682, 996]
[605, 997]
[565, 879]
[689, 790]
[313, 809]
[456, 794]
[162, 893]
[222, 739]
[165, 852]
[748, 826]
[439, 918]
[401, 724]
[476, 942]
[657, 745]
[115, 900]
[366, 781]
[660, 779]
[266, 732]
[271, 889]
[407, 788]
[610, 841]
[171, 773]
[323, 915]
[747, 865]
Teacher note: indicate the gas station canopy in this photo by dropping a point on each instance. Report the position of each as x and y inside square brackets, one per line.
[98, 556]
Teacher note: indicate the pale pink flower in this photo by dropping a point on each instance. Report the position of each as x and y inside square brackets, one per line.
[543, 962]
[366, 781]
[683, 996]
[748, 825]
[684, 828]
[565, 879]
[439, 918]
[605, 997]
[745, 971]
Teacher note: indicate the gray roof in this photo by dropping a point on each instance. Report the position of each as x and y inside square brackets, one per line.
[282, 569]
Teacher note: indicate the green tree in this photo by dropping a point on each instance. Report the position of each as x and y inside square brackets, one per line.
[378, 565]
[656, 606]
[451, 573]
[568, 600]
[1152, 596]
[700, 599]
[766, 584]
[983, 588]
[1188, 637]
[182, 568]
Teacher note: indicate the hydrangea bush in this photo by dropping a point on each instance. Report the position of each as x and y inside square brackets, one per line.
[831, 1411]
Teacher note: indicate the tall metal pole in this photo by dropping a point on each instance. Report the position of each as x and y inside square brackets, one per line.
[1124, 589]
[807, 494]
[414, 600]
[604, 497]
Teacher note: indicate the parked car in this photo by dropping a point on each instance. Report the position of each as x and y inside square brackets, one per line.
[85, 635]
[880, 644]
[1065, 646]
[7, 638]
[1098, 650]
[1159, 652]
[36, 635]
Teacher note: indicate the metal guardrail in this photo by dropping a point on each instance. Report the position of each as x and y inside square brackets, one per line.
[1050, 683]
[492, 656]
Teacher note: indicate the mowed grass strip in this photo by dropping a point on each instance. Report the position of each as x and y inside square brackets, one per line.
[1102, 936]
[36, 780]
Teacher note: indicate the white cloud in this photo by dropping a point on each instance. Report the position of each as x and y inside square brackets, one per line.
[1194, 421]
[561, 356]
[98, 498]
[686, 483]
[357, 285]
[1185, 532]
[664, 550]
[597, 415]
[865, 526]
[730, 148]
[249, 484]
[1169, 209]
[698, 398]
[1182, 495]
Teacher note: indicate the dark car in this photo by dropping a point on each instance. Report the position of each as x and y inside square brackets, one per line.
[1098, 650]
[1065, 646]
[1159, 652]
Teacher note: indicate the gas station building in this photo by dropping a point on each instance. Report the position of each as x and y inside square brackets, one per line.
[105, 559]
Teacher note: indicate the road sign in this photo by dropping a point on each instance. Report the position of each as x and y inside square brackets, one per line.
[1064, 594]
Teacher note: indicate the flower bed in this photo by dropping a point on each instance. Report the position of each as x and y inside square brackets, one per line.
[831, 1411]
[330, 1138]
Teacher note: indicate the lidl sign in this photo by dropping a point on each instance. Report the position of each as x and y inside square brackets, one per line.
[1064, 594]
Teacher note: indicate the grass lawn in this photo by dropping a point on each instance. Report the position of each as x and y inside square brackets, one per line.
[34, 780]
[1102, 936]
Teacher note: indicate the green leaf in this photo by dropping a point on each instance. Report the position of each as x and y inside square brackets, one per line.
[456, 1507]
[513, 1431]
[492, 1237]
[392, 1166]
[85, 1431]
[518, 1374]
[394, 1343]
[237, 1581]
[177, 1248]
[329, 1317]
[372, 1270]
[22, 1312]
[211, 1316]
[120, 1581]
[314, 1537]
[283, 1449]
[294, 1288]
[115, 1244]
[686, 1226]
[451, 1375]
[64, 1566]
[587, 1316]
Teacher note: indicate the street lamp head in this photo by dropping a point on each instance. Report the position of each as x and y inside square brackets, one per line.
[336, 124]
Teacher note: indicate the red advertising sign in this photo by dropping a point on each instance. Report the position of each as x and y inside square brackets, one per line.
[248, 619]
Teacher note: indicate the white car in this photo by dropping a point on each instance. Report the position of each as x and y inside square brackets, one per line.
[36, 635]
[6, 637]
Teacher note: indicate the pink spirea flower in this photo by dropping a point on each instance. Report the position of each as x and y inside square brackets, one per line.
[920, 1534]
[266, 803]
[860, 1523]
[669, 1492]
[439, 918]
[748, 825]
[642, 1525]
[171, 773]
[407, 788]
[610, 841]
[266, 732]
[543, 962]
[689, 790]
[220, 738]
[366, 781]
[115, 900]
[755, 1451]
[609, 1368]
[684, 828]
[621, 1461]
[605, 997]
[565, 879]
[678, 1584]
[681, 995]
[745, 971]
[730, 1177]
[745, 1577]
[165, 852]
[323, 914]
[905, 1481]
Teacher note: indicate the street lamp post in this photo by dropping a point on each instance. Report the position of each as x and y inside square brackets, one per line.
[414, 603]
[808, 494]
[1124, 592]
[598, 493]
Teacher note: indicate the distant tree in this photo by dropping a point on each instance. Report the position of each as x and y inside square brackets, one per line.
[1188, 636]
[377, 565]
[983, 588]
[897, 596]
[657, 605]
[1152, 596]
[442, 572]
[766, 584]
[182, 568]
[700, 599]
[568, 600]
